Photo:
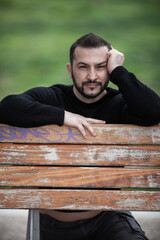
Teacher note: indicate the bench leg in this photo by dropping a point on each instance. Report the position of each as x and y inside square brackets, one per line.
[33, 229]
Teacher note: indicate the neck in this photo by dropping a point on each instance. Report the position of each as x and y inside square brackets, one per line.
[88, 100]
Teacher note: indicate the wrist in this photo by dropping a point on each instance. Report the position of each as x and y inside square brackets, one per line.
[117, 73]
[110, 70]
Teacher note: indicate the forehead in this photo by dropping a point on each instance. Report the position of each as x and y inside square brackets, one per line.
[88, 55]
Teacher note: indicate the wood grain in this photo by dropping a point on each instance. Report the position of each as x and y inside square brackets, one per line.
[80, 199]
[93, 177]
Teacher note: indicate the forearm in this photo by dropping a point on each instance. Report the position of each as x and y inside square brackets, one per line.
[20, 110]
[140, 100]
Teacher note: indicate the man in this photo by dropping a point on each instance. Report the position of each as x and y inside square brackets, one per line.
[93, 62]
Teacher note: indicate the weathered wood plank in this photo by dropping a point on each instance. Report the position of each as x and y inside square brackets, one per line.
[106, 134]
[80, 199]
[93, 177]
[79, 155]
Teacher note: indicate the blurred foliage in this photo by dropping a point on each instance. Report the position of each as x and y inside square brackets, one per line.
[35, 37]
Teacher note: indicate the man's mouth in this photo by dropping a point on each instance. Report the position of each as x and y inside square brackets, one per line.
[92, 84]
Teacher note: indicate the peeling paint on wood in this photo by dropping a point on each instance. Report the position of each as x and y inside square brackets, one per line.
[156, 135]
[80, 199]
[51, 154]
[79, 154]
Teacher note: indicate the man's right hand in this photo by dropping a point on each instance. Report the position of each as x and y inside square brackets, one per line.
[80, 122]
[115, 59]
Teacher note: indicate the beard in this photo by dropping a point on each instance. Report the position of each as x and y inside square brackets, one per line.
[81, 90]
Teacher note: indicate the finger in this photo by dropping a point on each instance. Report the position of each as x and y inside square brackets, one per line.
[110, 49]
[82, 131]
[89, 128]
[92, 120]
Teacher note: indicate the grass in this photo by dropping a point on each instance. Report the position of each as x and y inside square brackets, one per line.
[35, 37]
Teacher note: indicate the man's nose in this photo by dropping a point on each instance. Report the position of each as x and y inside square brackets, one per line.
[92, 75]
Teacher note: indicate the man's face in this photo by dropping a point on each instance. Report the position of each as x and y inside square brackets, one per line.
[89, 72]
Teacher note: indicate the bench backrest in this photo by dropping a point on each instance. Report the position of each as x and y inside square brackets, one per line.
[53, 167]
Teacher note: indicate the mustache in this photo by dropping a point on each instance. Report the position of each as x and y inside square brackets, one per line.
[89, 81]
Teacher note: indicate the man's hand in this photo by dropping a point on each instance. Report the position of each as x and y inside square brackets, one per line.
[80, 122]
[115, 59]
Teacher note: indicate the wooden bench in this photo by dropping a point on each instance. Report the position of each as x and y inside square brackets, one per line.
[53, 167]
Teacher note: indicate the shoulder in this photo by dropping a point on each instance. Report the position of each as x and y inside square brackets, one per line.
[47, 91]
[61, 88]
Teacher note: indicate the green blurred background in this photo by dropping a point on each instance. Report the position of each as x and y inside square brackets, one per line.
[35, 37]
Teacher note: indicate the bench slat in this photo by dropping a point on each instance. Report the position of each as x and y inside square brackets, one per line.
[79, 199]
[79, 155]
[92, 177]
[106, 134]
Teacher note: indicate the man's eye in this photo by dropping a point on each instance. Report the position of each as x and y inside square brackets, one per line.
[103, 66]
[82, 67]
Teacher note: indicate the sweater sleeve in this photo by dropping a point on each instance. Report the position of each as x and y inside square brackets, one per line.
[36, 107]
[141, 104]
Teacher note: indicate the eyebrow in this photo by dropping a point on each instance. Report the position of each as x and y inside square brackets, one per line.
[102, 63]
[88, 64]
[82, 63]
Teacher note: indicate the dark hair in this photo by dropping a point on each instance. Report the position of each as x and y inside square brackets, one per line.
[88, 41]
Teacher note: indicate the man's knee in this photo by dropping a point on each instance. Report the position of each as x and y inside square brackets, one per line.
[130, 227]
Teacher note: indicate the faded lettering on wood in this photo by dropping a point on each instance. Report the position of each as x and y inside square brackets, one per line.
[106, 134]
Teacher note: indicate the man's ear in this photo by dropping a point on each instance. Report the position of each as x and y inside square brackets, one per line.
[69, 68]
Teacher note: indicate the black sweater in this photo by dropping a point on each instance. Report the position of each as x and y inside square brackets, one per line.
[133, 103]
